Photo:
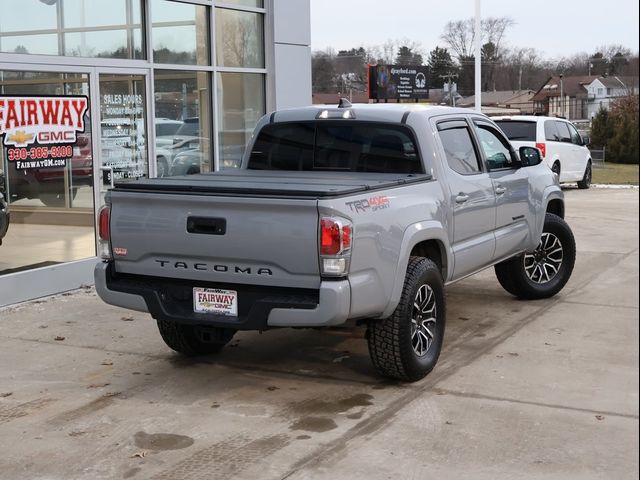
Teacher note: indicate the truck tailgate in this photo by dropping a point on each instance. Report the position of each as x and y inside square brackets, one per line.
[227, 239]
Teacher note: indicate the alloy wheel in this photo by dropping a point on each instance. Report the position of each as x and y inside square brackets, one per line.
[423, 320]
[544, 263]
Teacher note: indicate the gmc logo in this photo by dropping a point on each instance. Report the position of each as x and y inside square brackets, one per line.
[57, 137]
[215, 268]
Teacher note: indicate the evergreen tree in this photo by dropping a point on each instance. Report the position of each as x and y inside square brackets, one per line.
[623, 146]
[440, 64]
[601, 128]
[406, 56]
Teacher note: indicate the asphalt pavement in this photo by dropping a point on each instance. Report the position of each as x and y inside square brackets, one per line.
[541, 389]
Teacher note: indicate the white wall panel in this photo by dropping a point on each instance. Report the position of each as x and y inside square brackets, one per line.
[292, 76]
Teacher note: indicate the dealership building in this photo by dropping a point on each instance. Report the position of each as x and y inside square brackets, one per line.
[98, 91]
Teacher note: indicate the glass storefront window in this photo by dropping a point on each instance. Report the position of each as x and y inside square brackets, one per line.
[246, 3]
[180, 33]
[123, 126]
[50, 189]
[69, 186]
[86, 28]
[239, 38]
[183, 122]
[241, 101]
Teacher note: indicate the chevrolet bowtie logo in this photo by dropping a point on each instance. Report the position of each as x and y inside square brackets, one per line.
[20, 138]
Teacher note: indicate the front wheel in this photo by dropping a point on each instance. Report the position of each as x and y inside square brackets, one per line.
[406, 346]
[545, 271]
[586, 180]
[192, 340]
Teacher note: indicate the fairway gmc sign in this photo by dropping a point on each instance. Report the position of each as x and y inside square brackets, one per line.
[38, 132]
[42, 120]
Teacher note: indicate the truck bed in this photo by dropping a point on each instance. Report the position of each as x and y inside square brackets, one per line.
[312, 184]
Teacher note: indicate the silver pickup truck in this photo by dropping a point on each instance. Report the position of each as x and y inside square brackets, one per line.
[338, 215]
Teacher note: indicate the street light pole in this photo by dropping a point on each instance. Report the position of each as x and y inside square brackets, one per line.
[478, 68]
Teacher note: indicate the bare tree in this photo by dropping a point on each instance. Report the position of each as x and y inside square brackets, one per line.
[493, 31]
[388, 52]
[460, 35]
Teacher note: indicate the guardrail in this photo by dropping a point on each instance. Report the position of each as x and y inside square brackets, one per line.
[598, 157]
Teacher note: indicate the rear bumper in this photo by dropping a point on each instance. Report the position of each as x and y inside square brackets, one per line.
[259, 308]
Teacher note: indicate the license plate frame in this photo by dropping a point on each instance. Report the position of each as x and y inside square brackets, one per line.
[215, 301]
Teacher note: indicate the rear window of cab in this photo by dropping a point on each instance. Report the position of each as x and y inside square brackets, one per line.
[336, 146]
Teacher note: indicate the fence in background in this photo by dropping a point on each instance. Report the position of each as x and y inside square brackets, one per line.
[598, 157]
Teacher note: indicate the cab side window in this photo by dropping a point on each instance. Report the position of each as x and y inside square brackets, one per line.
[458, 147]
[495, 149]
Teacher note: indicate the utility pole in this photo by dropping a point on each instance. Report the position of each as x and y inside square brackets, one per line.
[561, 97]
[520, 78]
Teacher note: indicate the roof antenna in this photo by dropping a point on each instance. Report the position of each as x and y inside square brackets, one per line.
[344, 103]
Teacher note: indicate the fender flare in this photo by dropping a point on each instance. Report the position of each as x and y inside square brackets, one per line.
[414, 234]
[551, 193]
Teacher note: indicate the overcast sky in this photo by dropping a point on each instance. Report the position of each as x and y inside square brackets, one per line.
[555, 28]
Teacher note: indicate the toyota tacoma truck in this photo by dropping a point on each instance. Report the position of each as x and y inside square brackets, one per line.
[338, 216]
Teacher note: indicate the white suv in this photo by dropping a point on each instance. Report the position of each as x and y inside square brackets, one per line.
[562, 147]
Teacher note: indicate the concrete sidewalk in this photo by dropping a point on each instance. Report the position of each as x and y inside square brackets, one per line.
[545, 389]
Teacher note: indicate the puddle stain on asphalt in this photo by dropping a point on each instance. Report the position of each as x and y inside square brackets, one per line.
[317, 406]
[314, 424]
[162, 441]
[312, 412]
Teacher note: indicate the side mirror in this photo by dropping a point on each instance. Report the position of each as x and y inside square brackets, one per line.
[530, 156]
[586, 140]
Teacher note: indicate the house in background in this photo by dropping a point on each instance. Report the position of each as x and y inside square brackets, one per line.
[604, 90]
[512, 102]
[572, 105]
[582, 96]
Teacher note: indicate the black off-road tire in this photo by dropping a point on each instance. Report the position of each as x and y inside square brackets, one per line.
[193, 340]
[390, 340]
[586, 179]
[512, 273]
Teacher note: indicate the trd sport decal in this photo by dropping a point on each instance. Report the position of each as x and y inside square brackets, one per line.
[372, 204]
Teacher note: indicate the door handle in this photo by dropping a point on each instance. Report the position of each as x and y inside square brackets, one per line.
[500, 190]
[461, 198]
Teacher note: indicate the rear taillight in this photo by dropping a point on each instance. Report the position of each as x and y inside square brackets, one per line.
[104, 232]
[543, 148]
[336, 237]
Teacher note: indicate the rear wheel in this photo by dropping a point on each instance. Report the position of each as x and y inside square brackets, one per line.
[545, 271]
[406, 346]
[586, 180]
[192, 340]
